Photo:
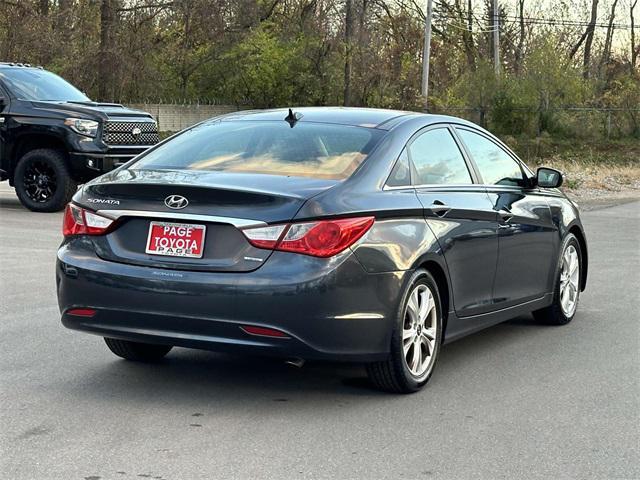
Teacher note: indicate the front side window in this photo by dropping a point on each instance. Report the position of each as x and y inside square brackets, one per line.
[438, 160]
[34, 84]
[496, 166]
[316, 150]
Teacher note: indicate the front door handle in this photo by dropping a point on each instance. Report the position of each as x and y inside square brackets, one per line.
[505, 214]
[438, 208]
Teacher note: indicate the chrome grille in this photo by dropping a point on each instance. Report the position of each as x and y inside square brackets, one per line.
[121, 133]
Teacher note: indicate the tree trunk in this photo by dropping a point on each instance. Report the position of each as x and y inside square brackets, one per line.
[348, 38]
[467, 36]
[43, 8]
[606, 52]
[105, 62]
[363, 41]
[634, 51]
[520, 47]
[586, 61]
[63, 12]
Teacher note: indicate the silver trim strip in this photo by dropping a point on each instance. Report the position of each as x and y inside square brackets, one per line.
[236, 222]
[359, 316]
[122, 147]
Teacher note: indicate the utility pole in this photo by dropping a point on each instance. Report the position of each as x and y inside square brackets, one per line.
[426, 52]
[496, 35]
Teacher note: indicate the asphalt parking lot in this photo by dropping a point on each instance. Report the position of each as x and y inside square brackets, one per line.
[516, 401]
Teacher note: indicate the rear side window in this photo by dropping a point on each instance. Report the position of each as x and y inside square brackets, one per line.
[438, 160]
[496, 166]
[313, 150]
[401, 173]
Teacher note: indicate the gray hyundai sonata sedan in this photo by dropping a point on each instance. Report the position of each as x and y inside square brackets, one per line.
[348, 234]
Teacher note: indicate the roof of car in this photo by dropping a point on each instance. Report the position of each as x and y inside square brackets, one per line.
[355, 116]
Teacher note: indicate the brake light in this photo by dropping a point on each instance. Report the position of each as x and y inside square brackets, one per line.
[79, 221]
[323, 238]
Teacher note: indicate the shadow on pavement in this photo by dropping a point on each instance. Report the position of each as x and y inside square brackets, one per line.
[193, 376]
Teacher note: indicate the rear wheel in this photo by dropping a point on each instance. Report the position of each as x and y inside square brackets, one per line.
[139, 352]
[416, 339]
[567, 288]
[43, 182]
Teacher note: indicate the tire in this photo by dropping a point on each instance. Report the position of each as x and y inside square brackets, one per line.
[557, 313]
[137, 352]
[394, 374]
[43, 182]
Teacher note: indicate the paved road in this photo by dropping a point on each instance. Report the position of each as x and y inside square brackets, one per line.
[515, 401]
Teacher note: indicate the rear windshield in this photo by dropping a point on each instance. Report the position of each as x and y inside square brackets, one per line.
[313, 150]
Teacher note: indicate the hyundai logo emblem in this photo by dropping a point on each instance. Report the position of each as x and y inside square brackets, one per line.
[176, 202]
[136, 132]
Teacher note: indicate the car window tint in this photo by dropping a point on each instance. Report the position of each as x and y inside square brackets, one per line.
[438, 159]
[401, 173]
[496, 166]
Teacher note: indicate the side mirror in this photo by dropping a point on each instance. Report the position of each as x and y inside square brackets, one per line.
[548, 177]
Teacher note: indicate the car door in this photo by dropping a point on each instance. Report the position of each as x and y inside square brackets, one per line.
[527, 236]
[459, 213]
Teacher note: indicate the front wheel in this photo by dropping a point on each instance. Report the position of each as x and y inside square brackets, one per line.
[138, 352]
[43, 182]
[416, 339]
[566, 292]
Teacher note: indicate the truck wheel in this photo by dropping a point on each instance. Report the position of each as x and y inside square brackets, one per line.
[43, 182]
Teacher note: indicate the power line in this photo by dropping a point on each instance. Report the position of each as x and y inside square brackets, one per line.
[530, 21]
[567, 23]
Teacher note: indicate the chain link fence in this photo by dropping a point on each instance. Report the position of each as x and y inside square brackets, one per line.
[569, 122]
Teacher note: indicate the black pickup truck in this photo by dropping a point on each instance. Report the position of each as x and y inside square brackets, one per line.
[52, 137]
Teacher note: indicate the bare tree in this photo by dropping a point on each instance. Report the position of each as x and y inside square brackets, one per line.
[606, 52]
[634, 50]
[587, 38]
[106, 61]
[43, 8]
[586, 63]
[348, 39]
[519, 53]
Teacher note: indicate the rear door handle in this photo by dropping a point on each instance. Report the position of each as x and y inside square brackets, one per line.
[439, 208]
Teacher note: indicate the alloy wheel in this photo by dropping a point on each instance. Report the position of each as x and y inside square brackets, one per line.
[569, 281]
[419, 331]
[40, 181]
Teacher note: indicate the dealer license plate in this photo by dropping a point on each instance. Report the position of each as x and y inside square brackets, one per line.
[176, 239]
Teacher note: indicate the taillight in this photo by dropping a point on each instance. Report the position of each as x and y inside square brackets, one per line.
[79, 221]
[323, 238]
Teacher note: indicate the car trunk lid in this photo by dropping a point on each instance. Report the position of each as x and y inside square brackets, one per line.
[223, 203]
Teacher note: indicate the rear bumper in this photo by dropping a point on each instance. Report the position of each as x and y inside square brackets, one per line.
[330, 308]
